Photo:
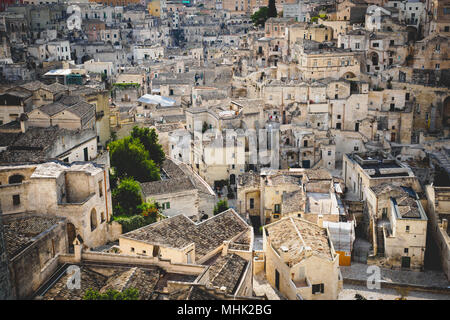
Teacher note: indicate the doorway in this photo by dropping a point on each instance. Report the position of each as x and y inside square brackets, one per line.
[86, 157]
[406, 262]
[306, 164]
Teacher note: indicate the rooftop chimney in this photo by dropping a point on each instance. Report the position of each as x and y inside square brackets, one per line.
[23, 122]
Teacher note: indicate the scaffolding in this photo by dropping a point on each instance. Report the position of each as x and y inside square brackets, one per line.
[342, 235]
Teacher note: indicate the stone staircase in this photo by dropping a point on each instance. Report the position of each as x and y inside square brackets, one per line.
[380, 241]
[443, 159]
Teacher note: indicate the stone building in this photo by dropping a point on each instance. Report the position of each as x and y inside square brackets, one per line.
[300, 260]
[223, 242]
[13, 103]
[33, 244]
[365, 170]
[79, 192]
[153, 278]
[180, 190]
[22, 144]
[438, 198]
[398, 225]
[432, 53]
[316, 61]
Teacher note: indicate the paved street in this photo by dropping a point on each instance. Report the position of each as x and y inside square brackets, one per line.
[426, 278]
[349, 291]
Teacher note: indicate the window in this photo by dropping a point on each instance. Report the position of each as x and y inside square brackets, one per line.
[100, 188]
[406, 250]
[357, 45]
[16, 199]
[318, 288]
[252, 203]
[144, 252]
[93, 220]
[329, 153]
[132, 249]
[166, 205]
[277, 208]
[16, 178]
[407, 96]
[355, 148]
[407, 228]
[338, 125]
[102, 216]
[384, 213]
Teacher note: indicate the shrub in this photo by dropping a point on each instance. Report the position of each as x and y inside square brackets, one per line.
[131, 223]
[127, 294]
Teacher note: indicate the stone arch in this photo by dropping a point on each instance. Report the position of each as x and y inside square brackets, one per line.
[446, 112]
[94, 222]
[349, 75]
[16, 178]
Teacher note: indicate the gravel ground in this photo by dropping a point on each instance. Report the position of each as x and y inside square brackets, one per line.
[349, 291]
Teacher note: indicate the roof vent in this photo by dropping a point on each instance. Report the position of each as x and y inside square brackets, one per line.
[284, 249]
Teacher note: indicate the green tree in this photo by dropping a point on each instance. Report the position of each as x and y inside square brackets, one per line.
[272, 13]
[127, 294]
[259, 17]
[221, 206]
[149, 138]
[127, 197]
[130, 158]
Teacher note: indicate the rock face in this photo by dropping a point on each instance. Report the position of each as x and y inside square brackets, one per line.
[5, 284]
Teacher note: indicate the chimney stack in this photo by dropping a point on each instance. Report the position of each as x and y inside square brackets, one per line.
[444, 224]
[23, 122]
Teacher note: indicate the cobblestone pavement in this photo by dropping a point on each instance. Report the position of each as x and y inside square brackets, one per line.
[427, 278]
[349, 291]
[262, 287]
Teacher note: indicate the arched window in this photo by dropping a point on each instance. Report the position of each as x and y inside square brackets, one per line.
[93, 219]
[102, 216]
[16, 178]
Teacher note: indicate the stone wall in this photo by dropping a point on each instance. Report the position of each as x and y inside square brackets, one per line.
[5, 282]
